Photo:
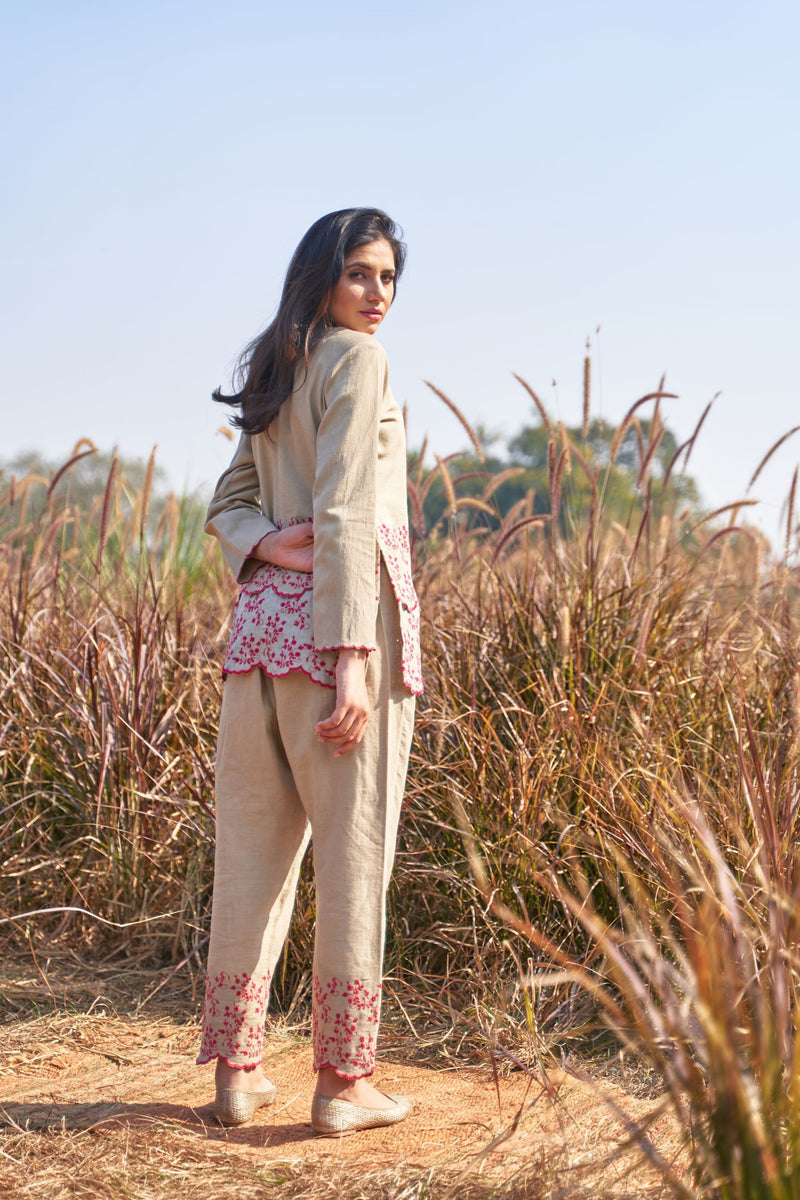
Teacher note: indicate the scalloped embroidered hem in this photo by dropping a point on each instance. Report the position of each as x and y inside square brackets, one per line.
[278, 674]
[202, 1059]
[347, 646]
[343, 1074]
[259, 587]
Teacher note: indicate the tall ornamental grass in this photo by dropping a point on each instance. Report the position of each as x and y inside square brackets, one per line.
[108, 709]
[599, 841]
[614, 729]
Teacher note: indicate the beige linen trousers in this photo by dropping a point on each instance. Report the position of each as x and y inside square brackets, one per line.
[336, 455]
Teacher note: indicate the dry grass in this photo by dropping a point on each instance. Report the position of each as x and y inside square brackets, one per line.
[599, 844]
[157, 1165]
[97, 1104]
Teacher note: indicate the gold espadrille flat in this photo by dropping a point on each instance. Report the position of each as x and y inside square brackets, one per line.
[334, 1118]
[235, 1108]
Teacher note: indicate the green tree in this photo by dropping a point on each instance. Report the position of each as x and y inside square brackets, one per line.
[538, 461]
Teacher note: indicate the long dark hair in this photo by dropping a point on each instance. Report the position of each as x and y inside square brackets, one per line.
[266, 368]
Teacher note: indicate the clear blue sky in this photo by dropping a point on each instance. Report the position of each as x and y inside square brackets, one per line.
[555, 167]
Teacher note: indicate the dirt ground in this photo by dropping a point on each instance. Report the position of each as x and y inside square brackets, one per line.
[98, 1104]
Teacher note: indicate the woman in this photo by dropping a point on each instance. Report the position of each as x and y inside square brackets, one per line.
[321, 672]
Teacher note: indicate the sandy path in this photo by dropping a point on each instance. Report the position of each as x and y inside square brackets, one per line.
[106, 1073]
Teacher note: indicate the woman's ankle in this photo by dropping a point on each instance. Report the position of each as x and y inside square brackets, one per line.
[331, 1084]
[357, 1091]
[245, 1079]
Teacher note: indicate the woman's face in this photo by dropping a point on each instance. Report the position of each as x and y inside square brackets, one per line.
[361, 298]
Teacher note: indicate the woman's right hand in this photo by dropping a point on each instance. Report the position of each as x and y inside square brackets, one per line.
[344, 728]
[291, 547]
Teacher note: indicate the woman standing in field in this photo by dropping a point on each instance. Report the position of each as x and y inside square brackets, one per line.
[321, 672]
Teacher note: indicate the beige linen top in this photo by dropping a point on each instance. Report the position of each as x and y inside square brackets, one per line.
[335, 454]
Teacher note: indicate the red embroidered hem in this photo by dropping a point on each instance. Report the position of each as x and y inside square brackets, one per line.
[233, 1017]
[345, 1016]
[347, 646]
[274, 587]
[276, 675]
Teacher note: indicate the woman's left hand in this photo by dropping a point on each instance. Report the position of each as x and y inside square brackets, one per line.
[344, 728]
[292, 547]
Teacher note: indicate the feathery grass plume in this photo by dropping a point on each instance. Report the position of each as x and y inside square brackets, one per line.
[551, 461]
[647, 461]
[79, 445]
[496, 481]
[566, 447]
[166, 532]
[776, 446]
[587, 379]
[656, 431]
[106, 509]
[725, 533]
[468, 475]
[697, 429]
[542, 410]
[24, 487]
[478, 505]
[665, 526]
[420, 463]
[459, 414]
[673, 462]
[717, 512]
[628, 419]
[144, 499]
[636, 425]
[452, 502]
[619, 435]
[660, 389]
[790, 513]
[555, 486]
[430, 478]
[507, 532]
[523, 508]
[590, 471]
[68, 465]
[687, 446]
[417, 515]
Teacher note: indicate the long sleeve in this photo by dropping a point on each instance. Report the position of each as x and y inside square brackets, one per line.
[234, 515]
[345, 545]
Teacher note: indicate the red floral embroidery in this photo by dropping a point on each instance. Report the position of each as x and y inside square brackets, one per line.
[396, 551]
[283, 581]
[272, 621]
[233, 1018]
[412, 663]
[345, 1026]
[272, 626]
